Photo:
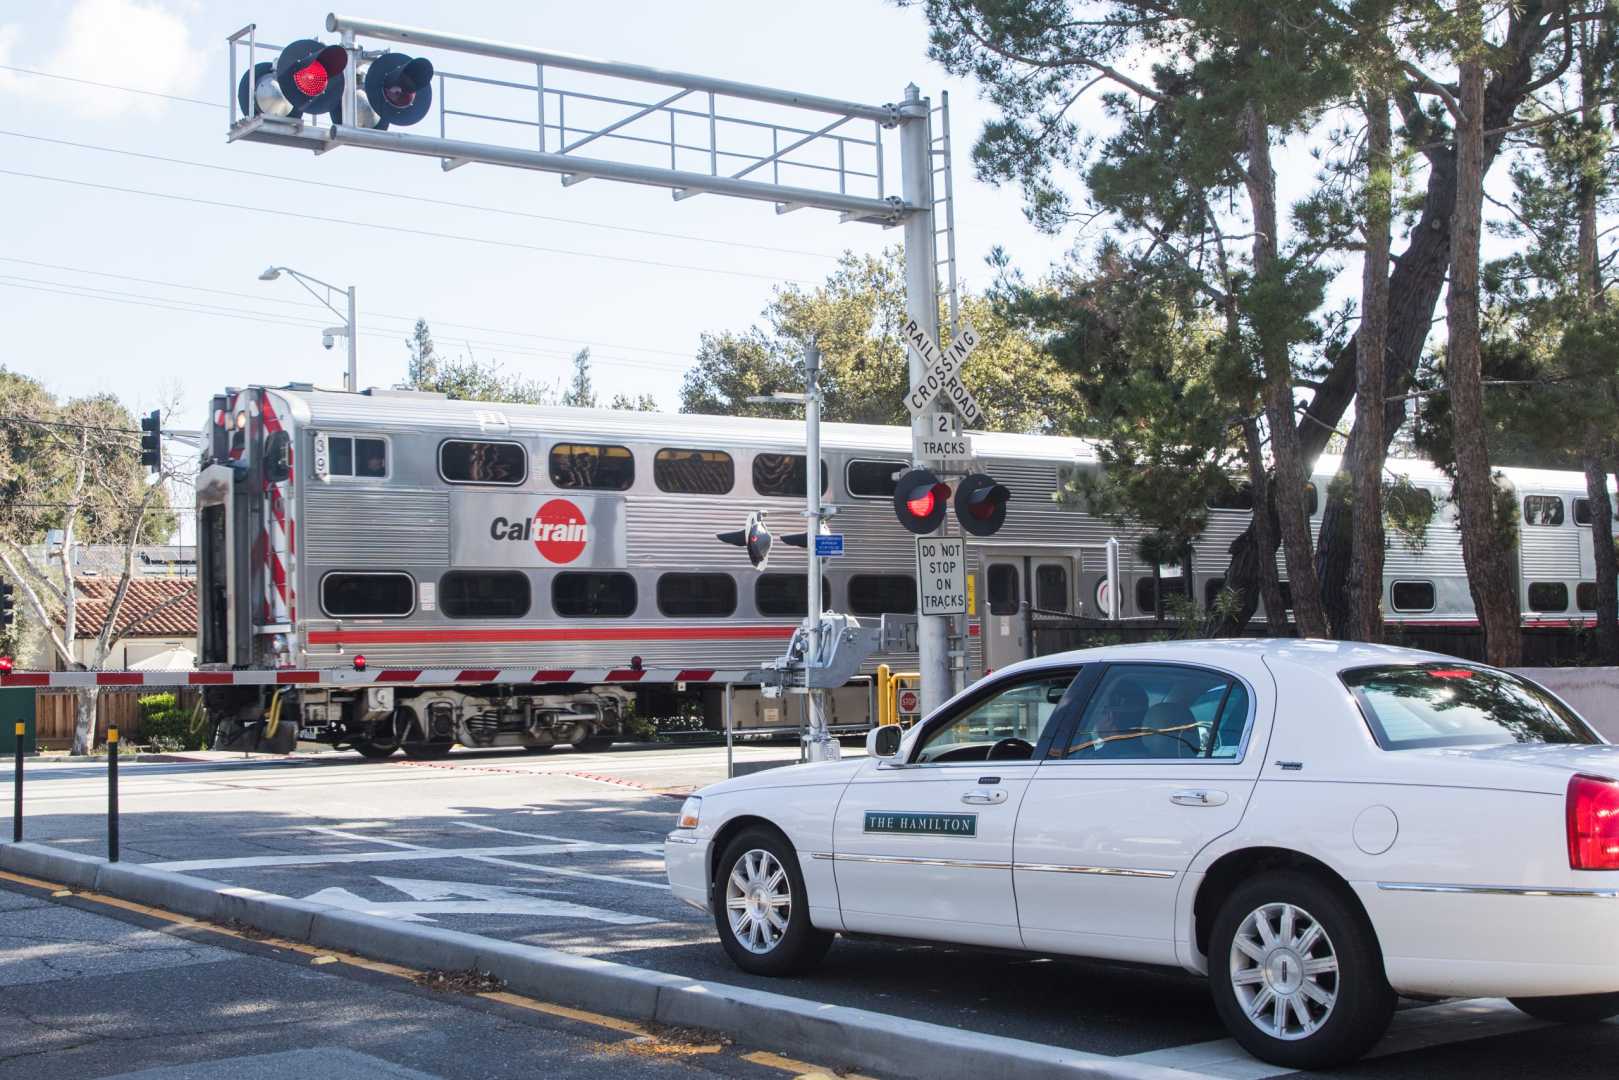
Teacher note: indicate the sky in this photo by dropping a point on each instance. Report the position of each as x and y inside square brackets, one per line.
[139, 276]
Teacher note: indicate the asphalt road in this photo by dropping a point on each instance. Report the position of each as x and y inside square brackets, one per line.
[564, 850]
[91, 991]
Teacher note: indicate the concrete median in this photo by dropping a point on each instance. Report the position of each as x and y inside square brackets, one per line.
[835, 1034]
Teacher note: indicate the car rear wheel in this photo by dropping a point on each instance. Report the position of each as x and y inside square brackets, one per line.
[1574, 1009]
[1296, 973]
[761, 908]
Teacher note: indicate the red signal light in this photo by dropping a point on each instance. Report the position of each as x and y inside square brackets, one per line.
[1593, 823]
[5, 665]
[359, 662]
[923, 504]
[311, 79]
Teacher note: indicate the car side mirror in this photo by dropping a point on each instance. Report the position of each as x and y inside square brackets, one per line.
[883, 740]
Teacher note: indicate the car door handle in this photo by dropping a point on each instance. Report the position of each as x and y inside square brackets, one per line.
[1199, 797]
[980, 797]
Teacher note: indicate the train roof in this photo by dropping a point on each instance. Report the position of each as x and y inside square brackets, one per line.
[426, 411]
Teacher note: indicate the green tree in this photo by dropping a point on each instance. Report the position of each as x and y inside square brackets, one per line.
[580, 394]
[856, 318]
[466, 378]
[74, 467]
[635, 402]
[1201, 91]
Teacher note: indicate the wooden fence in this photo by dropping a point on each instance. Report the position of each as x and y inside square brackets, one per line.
[56, 714]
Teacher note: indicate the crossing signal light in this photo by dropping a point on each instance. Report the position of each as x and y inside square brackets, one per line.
[152, 441]
[8, 606]
[754, 537]
[306, 79]
[981, 504]
[920, 499]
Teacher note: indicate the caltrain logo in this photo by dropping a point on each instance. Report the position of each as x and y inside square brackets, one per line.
[558, 529]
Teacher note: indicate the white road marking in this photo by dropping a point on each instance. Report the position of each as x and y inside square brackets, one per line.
[584, 845]
[1412, 1029]
[439, 898]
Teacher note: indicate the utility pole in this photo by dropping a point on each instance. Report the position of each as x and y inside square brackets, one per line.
[819, 745]
[922, 301]
[354, 347]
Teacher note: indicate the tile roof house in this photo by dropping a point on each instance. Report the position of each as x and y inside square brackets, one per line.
[162, 612]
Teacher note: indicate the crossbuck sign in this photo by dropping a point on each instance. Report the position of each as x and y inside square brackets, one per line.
[943, 376]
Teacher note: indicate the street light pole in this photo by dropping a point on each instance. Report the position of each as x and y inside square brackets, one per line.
[818, 742]
[350, 328]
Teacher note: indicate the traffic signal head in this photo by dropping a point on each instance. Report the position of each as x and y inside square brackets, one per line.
[754, 537]
[152, 441]
[399, 89]
[981, 504]
[8, 606]
[305, 78]
[919, 500]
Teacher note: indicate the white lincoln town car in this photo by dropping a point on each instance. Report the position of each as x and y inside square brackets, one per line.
[1316, 826]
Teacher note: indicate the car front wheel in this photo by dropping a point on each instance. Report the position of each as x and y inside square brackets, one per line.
[1574, 1009]
[1296, 973]
[761, 909]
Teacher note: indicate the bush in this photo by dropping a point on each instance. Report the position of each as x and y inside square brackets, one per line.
[166, 725]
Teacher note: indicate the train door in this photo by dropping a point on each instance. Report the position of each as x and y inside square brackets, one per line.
[1043, 580]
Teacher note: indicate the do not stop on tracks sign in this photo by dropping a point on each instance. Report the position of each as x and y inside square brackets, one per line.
[941, 575]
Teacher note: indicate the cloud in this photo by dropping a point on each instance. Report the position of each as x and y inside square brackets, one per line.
[138, 43]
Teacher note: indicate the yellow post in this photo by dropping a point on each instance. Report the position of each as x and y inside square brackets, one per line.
[882, 694]
[112, 735]
[22, 728]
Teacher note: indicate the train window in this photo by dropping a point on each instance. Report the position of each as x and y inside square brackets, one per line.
[601, 468]
[1585, 596]
[1543, 510]
[703, 595]
[873, 479]
[882, 594]
[1548, 596]
[783, 474]
[484, 594]
[787, 594]
[1412, 595]
[1004, 594]
[693, 472]
[579, 594]
[361, 595]
[1051, 587]
[463, 461]
[1233, 497]
[1241, 497]
[350, 456]
[1212, 589]
[1173, 586]
[1582, 511]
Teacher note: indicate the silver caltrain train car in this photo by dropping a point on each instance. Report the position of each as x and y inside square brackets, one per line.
[427, 534]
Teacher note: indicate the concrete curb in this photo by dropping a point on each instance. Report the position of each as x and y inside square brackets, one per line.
[831, 1034]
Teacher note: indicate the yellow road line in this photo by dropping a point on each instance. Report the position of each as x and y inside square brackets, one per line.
[799, 1069]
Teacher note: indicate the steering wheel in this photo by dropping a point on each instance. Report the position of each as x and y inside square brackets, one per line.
[1011, 750]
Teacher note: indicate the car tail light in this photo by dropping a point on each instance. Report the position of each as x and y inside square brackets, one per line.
[1593, 823]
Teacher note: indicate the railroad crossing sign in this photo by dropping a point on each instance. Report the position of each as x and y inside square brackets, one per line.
[941, 575]
[943, 375]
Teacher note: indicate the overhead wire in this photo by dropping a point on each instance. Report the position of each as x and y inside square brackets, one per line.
[577, 339]
[284, 213]
[450, 203]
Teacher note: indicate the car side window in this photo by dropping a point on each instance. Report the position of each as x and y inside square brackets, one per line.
[1006, 726]
[1161, 711]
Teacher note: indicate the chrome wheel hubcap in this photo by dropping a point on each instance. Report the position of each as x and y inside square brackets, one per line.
[758, 901]
[1284, 971]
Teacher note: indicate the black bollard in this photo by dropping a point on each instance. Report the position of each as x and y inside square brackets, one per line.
[16, 798]
[112, 794]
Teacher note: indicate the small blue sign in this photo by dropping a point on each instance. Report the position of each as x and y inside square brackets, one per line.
[829, 545]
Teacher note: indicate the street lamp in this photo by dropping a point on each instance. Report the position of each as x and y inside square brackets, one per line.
[348, 330]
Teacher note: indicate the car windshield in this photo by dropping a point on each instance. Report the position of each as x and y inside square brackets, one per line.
[1457, 705]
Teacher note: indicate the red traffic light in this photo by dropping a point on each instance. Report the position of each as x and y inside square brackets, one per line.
[981, 504]
[919, 501]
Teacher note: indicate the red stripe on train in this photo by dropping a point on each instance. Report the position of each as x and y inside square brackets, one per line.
[540, 635]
